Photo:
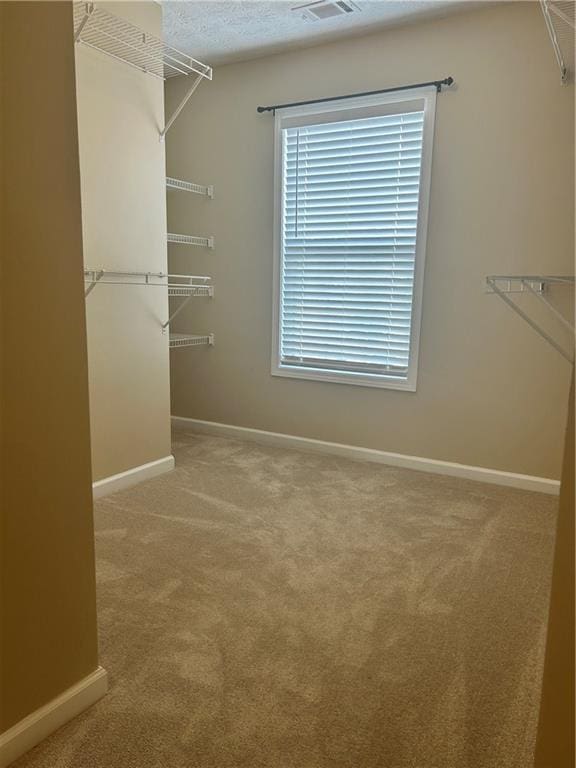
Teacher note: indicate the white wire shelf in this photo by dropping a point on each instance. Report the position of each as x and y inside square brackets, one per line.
[99, 29]
[561, 24]
[190, 290]
[190, 340]
[189, 186]
[206, 242]
[537, 285]
[177, 285]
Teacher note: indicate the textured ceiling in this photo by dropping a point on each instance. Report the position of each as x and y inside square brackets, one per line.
[219, 31]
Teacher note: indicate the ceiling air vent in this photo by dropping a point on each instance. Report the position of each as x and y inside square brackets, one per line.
[326, 9]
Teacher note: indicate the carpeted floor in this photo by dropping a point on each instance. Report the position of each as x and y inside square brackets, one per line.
[265, 608]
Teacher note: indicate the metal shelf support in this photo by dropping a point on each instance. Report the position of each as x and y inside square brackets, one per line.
[560, 23]
[504, 285]
[202, 291]
[181, 106]
[94, 277]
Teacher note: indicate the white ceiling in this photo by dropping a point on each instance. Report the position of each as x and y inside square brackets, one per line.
[220, 31]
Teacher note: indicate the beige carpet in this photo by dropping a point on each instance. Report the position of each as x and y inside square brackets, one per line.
[265, 608]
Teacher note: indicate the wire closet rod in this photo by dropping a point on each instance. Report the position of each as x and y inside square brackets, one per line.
[103, 275]
[436, 83]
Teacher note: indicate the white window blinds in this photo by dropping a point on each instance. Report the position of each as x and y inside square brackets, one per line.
[350, 208]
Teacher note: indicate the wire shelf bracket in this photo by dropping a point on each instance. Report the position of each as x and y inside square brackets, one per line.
[181, 105]
[561, 25]
[96, 28]
[504, 285]
[205, 242]
[185, 292]
[189, 186]
[92, 277]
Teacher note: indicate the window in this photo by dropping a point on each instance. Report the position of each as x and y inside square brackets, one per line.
[352, 187]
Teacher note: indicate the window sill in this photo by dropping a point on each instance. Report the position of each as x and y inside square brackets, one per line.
[337, 377]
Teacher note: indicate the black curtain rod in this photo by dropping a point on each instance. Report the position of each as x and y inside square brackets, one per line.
[436, 83]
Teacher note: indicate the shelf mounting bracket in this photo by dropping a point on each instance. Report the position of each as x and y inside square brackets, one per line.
[177, 311]
[528, 284]
[97, 275]
[181, 106]
[181, 306]
[554, 38]
[89, 10]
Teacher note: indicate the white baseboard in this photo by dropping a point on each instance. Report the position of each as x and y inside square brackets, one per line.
[35, 727]
[481, 474]
[131, 477]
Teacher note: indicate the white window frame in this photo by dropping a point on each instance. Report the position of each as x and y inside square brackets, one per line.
[307, 113]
